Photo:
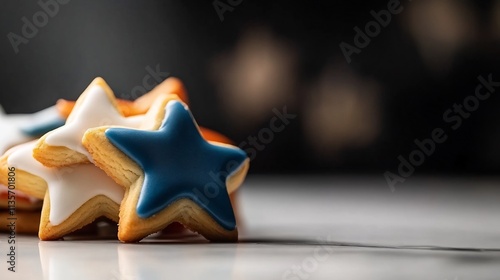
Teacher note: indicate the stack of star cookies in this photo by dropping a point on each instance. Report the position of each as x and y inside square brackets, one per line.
[144, 164]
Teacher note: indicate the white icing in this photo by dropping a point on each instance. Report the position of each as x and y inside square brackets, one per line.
[95, 110]
[10, 126]
[68, 187]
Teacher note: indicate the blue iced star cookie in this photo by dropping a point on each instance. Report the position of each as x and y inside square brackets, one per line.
[43, 122]
[179, 164]
[21, 128]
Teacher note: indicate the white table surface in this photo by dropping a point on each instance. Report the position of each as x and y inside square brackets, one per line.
[305, 228]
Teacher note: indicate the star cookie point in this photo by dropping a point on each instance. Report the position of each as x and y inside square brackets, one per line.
[95, 107]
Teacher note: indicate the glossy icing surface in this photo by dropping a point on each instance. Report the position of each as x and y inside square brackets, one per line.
[68, 187]
[21, 128]
[179, 163]
[96, 109]
[126, 107]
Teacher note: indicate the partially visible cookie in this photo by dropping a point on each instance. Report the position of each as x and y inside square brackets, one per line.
[21, 128]
[171, 85]
[171, 175]
[21, 158]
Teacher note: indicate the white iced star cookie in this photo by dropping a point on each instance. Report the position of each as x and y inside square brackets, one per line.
[95, 107]
[12, 135]
[33, 186]
[75, 196]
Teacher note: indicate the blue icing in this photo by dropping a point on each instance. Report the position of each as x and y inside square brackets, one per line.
[38, 128]
[179, 163]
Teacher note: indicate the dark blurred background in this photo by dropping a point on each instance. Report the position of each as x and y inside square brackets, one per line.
[243, 61]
